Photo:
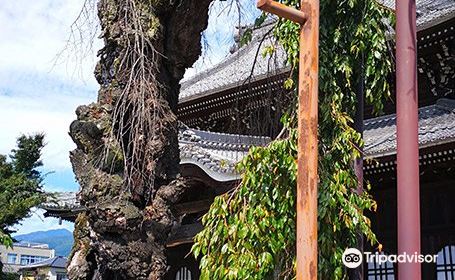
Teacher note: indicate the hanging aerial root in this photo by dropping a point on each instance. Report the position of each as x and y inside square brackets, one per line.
[141, 117]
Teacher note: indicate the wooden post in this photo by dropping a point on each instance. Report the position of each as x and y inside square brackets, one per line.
[307, 176]
[307, 171]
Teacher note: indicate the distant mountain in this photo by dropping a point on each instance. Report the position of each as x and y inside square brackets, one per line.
[59, 239]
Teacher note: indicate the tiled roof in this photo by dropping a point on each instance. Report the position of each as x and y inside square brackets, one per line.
[436, 127]
[237, 67]
[216, 153]
[220, 152]
[56, 262]
[61, 200]
[429, 12]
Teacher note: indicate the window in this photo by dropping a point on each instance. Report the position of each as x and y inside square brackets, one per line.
[383, 271]
[27, 259]
[41, 277]
[185, 274]
[445, 264]
[62, 276]
[11, 258]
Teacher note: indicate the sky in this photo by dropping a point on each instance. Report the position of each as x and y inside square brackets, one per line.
[40, 89]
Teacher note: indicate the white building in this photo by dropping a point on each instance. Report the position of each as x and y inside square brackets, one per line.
[50, 269]
[24, 253]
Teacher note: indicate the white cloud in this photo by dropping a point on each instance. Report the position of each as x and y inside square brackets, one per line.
[50, 113]
[34, 32]
[35, 94]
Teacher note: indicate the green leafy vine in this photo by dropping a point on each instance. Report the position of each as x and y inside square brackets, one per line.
[250, 232]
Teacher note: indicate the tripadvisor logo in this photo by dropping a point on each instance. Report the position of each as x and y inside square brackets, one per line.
[352, 258]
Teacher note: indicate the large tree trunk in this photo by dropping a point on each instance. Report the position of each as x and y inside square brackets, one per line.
[127, 157]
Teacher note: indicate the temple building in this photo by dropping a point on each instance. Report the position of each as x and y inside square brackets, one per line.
[238, 104]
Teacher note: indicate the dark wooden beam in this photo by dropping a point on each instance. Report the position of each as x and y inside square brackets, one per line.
[192, 207]
[184, 235]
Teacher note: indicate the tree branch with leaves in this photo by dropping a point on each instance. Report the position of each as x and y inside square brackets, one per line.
[20, 184]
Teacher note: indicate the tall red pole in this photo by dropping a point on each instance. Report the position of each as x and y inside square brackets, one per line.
[307, 167]
[408, 195]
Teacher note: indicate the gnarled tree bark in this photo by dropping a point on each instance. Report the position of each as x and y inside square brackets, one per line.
[127, 157]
